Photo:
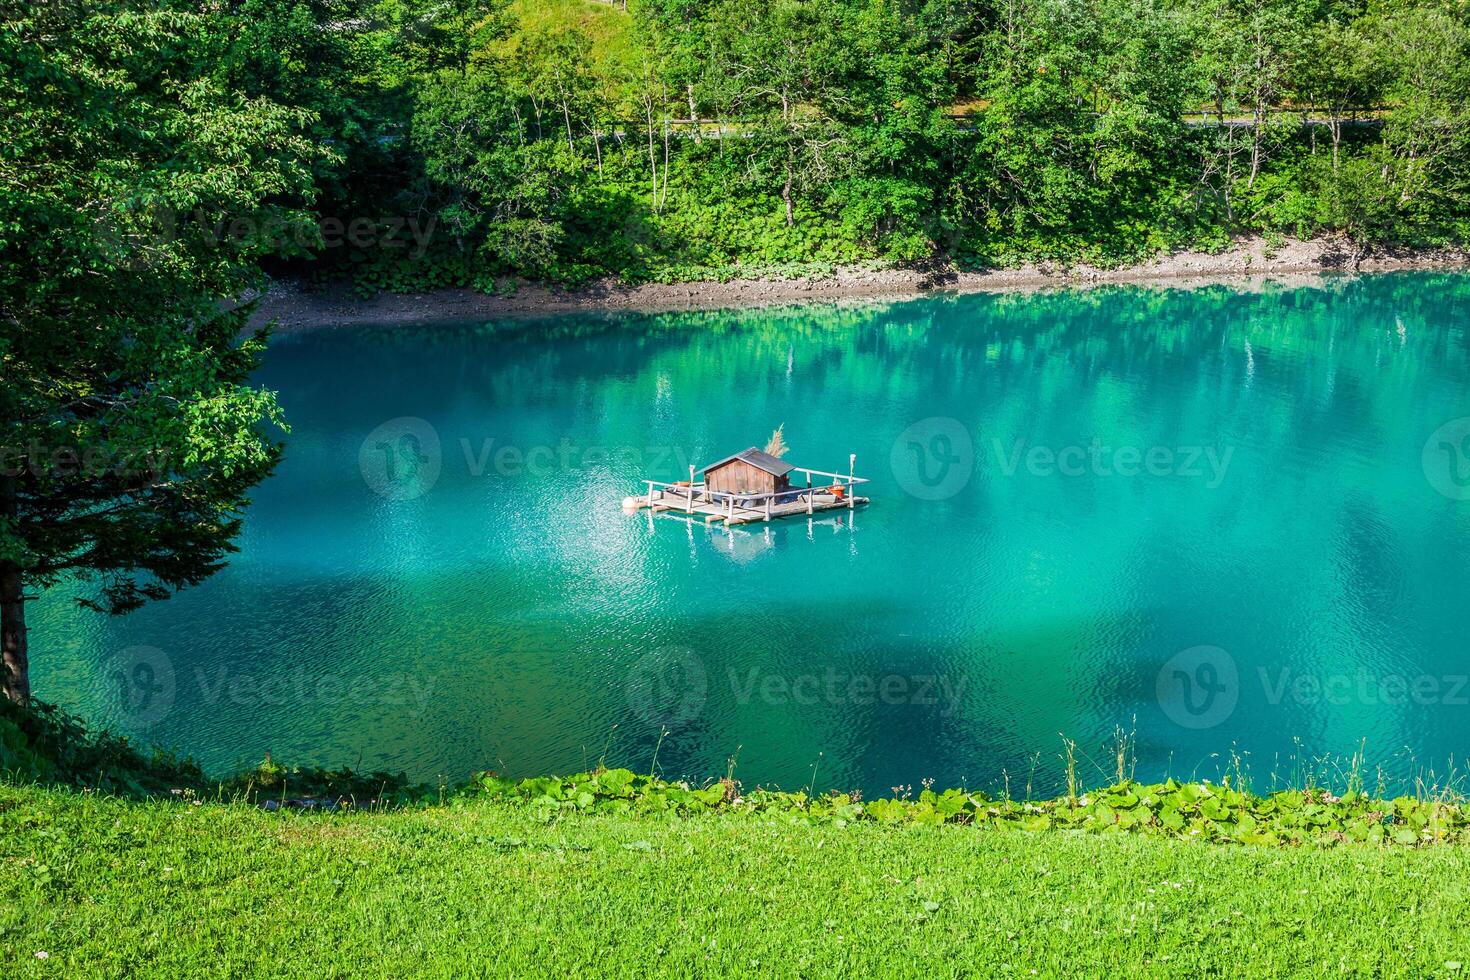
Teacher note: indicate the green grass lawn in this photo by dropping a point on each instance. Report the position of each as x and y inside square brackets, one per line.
[106, 886]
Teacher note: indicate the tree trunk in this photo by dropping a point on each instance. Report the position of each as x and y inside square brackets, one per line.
[664, 200]
[15, 667]
[1259, 108]
[13, 635]
[663, 92]
[786, 125]
[1257, 126]
[652, 160]
[1229, 183]
[693, 114]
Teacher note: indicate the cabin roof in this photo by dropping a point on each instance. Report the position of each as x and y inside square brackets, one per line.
[760, 460]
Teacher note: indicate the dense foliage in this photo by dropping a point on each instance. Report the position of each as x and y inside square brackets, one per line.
[568, 139]
[138, 190]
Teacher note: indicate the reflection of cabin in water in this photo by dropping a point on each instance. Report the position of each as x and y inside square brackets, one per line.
[749, 472]
[751, 486]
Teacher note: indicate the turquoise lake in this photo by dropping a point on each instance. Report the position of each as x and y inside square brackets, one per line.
[1224, 519]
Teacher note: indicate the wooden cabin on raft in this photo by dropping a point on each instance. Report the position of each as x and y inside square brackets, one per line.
[751, 485]
[751, 471]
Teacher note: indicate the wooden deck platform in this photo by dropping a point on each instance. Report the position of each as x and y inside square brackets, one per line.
[731, 513]
[734, 502]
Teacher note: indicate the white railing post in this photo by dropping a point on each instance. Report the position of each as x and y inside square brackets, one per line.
[689, 503]
[851, 467]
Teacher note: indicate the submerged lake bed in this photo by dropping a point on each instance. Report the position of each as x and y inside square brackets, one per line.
[1219, 520]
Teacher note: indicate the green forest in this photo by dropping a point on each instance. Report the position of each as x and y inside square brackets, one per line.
[406, 144]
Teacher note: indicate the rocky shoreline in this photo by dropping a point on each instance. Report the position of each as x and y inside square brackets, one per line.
[294, 308]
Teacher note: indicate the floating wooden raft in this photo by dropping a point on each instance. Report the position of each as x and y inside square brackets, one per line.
[716, 503]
